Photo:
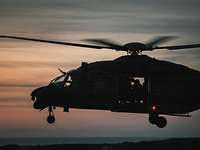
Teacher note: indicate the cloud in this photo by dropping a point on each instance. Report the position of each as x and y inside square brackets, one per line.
[56, 17]
[19, 85]
[33, 64]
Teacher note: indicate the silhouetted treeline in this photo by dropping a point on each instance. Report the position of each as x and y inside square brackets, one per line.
[170, 144]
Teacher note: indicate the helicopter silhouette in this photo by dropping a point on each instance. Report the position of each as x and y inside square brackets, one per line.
[133, 83]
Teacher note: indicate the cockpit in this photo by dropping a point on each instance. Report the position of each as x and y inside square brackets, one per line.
[62, 81]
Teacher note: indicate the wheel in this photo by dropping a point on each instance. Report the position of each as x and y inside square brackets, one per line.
[51, 119]
[153, 119]
[162, 122]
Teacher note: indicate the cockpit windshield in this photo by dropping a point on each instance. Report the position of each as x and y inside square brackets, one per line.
[63, 80]
[57, 79]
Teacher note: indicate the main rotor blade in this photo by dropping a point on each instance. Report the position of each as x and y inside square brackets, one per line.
[159, 40]
[106, 42]
[57, 42]
[177, 47]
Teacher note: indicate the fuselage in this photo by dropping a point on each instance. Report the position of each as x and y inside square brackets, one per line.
[105, 85]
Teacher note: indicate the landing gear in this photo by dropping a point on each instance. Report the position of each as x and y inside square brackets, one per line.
[160, 122]
[51, 119]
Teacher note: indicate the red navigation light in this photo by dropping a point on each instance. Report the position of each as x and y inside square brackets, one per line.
[153, 108]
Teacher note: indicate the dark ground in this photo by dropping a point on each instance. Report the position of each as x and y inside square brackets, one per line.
[170, 144]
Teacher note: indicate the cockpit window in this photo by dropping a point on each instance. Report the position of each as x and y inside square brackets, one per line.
[68, 82]
[57, 79]
[63, 80]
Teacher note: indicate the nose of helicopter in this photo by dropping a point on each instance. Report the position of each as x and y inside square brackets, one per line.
[37, 93]
[37, 105]
[37, 96]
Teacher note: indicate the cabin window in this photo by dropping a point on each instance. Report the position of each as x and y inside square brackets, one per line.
[137, 89]
[132, 79]
[132, 89]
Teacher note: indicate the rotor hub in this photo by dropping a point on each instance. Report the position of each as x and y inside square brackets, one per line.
[134, 48]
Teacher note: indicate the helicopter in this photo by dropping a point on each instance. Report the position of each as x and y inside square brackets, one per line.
[133, 83]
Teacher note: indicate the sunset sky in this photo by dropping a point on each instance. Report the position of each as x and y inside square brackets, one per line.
[25, 66]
